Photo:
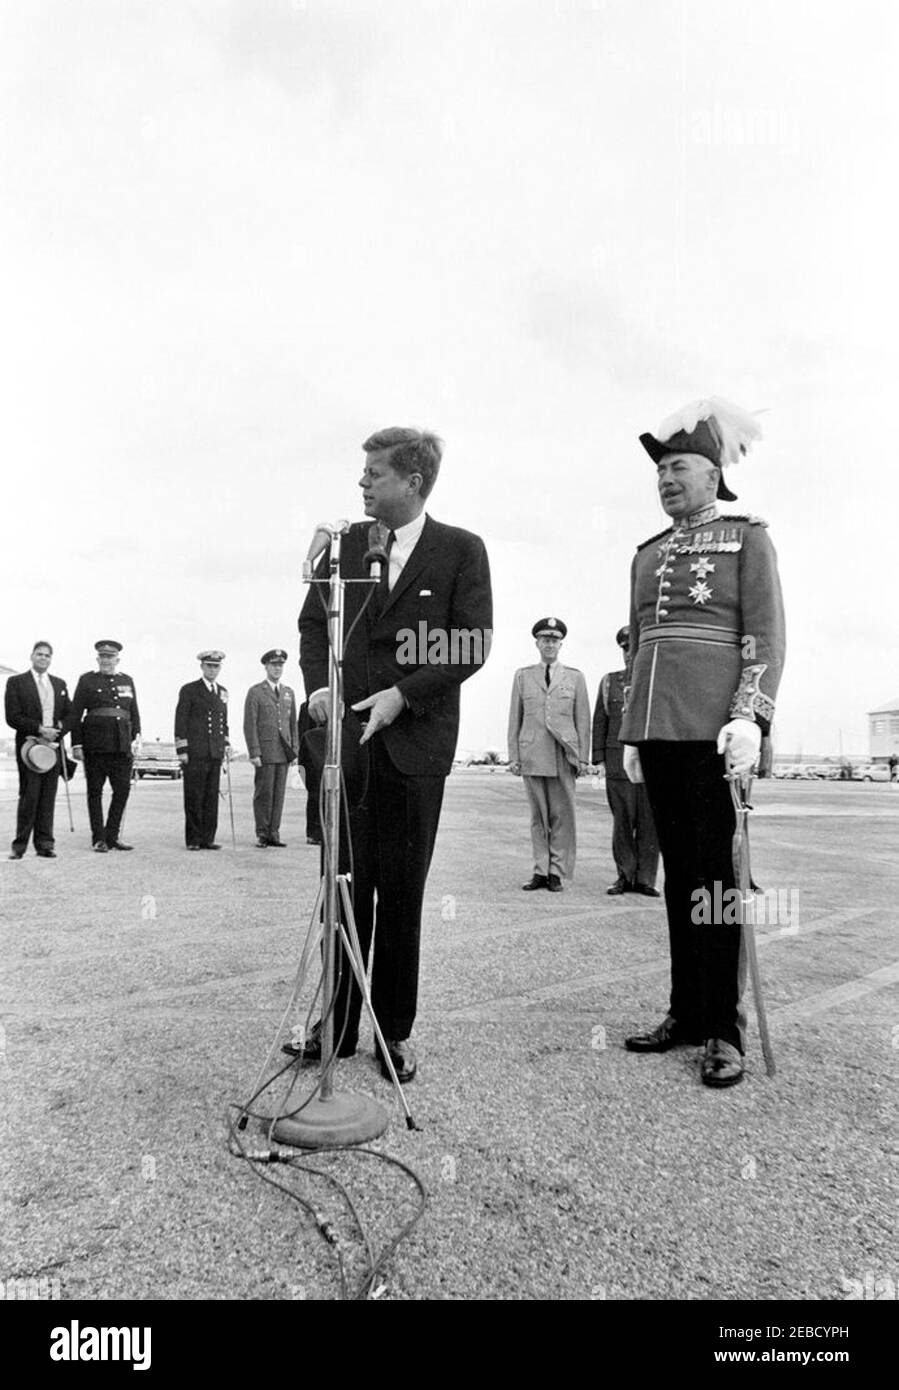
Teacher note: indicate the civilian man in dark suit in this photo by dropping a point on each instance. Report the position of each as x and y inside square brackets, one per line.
[105, 726]
[426, 629]
[201, 742]
[270, 730]
[635, 848]
[36, 706]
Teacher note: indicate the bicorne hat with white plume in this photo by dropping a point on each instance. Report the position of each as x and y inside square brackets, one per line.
[714, 428]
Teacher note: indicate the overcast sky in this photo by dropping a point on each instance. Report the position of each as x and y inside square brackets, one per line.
[240, 236]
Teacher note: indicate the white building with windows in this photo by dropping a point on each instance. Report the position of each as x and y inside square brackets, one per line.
[883, 731]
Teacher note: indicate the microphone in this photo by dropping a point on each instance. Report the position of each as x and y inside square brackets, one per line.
[375, 557]
[321, 539]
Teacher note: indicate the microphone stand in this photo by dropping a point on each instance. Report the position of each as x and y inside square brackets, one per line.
[333, 1117]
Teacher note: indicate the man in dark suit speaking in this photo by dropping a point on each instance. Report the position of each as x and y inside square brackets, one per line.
[426, 629]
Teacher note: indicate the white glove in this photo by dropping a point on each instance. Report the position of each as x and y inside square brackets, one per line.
[632, 769]
[742, 738]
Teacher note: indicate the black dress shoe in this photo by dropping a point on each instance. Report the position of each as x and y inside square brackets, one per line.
[17, 854]
[209, 847]
[314, 840]
[46, 853]
[117, 844]
[538, 881]
[554, 883]
[278, 844]
[261, 843]
[101, 847]
[646, 889]
[620, 885]
[402, 1055]
[668, 1034]
[193, 846]
[311, 1050]
[722, 1064]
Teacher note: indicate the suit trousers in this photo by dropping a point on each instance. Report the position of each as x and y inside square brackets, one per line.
[695, 822]
[202, 777]
[553, 825]
[635, 848]
[97, 768]
[268, 799]
[393, 834]
[37, 802]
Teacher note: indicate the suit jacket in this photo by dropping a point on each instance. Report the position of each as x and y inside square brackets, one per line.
[542, 718]
[270, 725]
[23, 706]
[201, 721]
[104, 733]
[607, 746]
[707, 629]
[426, 637]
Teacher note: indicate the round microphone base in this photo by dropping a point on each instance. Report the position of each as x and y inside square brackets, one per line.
[344, 1118]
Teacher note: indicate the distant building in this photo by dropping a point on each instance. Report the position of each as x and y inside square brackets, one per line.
[883, 731]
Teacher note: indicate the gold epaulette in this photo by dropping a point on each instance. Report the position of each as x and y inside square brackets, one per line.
[752, 520]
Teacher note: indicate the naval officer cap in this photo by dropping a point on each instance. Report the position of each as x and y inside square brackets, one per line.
[211, 655]
[107, 647]
[713, 428]
[276, 654]
[549, 627]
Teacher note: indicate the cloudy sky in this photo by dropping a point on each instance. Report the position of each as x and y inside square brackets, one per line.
[239, 235]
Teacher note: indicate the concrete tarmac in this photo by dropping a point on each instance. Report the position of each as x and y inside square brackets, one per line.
[142, 992]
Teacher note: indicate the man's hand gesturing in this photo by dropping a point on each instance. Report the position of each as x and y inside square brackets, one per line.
[385, 705]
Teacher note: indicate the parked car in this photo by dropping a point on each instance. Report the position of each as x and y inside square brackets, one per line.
[792, 771]
[157, 760]
[825, 772]
[871, 772]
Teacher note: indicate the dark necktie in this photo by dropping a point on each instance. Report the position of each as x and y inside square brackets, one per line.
[548, 678]
[277, 692]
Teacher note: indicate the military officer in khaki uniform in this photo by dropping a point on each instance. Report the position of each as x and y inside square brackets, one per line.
[202, 743]
[707, 647]
[549, 746]
[270, 729]
[104, 722]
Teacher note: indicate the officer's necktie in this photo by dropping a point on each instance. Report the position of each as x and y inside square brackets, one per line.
[548, 678]
[277, 692]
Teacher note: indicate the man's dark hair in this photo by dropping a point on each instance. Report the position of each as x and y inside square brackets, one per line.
[412, 451]
[41, 644]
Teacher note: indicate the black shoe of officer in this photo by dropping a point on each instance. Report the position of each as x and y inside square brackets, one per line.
[311, 1050]
[554, 883]
[538, 881]
[668, 1034]
[620, 885]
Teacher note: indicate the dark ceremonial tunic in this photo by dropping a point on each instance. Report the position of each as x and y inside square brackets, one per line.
[104, 720]
[201, 731]
[707, 643]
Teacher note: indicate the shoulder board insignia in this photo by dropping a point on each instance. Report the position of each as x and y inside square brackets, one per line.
[667, 532]
[752, 520]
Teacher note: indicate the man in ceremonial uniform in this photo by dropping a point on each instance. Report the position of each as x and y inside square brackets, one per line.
[36, 707]
[707, 644]
[436, 581]
[201, 743]
[105, 725]
[549, 746]
[635, 848]
[270, 730]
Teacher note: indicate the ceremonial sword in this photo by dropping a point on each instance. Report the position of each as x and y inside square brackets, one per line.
[740, 784]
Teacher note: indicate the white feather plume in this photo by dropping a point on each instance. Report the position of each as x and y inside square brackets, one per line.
[737, 428]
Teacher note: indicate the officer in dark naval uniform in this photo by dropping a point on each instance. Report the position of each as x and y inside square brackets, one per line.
[707, 643]
[104, 722]
[635, 848]
[201, 742]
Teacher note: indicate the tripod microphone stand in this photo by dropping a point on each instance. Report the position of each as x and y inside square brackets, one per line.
[333, 1117]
